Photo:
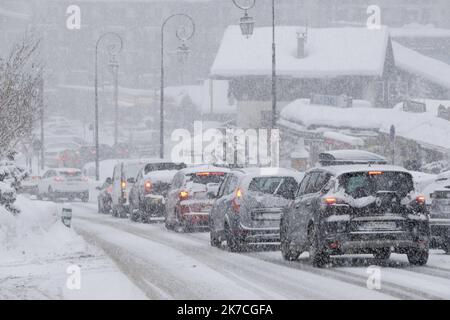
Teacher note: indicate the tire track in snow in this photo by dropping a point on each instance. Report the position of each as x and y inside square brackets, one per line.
[258, 274]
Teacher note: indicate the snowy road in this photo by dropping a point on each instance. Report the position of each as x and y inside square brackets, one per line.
[169, 265]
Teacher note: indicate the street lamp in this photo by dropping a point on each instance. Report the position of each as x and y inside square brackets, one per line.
[182, 53]
[114, 67]
[113, 49]
[247, 25]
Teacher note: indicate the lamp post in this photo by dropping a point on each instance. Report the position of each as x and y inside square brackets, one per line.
[247, 25]
[113, 49]
[114, 66]
[183, 53]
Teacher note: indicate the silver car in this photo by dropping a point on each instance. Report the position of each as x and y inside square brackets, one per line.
[249, 205]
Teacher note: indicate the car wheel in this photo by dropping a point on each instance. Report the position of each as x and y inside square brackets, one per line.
[114, 211]
[134, 215]
[317, 255]
[287, 251]
[234, 244]
[100, 207]
[214, 239]
[382, 254]
[85, 197]
[51, 194]
[446, 246]
[418, 257]
[39, 196]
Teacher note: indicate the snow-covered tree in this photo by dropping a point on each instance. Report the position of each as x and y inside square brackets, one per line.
[20, 90]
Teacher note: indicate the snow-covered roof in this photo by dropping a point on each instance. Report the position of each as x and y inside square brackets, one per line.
[413, 62]
[330, 52]
[338, 170]
[203, 168]
[337, 136]
[424, 128]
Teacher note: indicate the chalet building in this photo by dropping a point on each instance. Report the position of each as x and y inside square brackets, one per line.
[356, 63]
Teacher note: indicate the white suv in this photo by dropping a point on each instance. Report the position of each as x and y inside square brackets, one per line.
[63, 183]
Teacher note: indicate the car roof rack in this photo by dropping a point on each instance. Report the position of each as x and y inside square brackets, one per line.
[346, 157]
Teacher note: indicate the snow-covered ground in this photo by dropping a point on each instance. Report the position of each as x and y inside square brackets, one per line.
[37, 252]
[169, 265]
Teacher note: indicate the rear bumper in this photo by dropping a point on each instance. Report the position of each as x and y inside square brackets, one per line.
[351, 236]
[255, 235]
[196, 219]
[153, 207]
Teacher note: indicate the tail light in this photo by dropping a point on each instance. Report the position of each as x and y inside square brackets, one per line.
[420, 199]
[123, 184]
[147, 186]
[330, 201]
[236, 202]
[184, 195]
[58, 179]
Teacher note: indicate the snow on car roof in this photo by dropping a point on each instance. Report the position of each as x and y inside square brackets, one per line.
[66, 169]
[275, 172]
[330, 52]
[339, 170]
[161, 175]
[204, 168]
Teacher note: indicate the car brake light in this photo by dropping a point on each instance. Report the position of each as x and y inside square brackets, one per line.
[420, 199]
[236, 203]
[184, 195]
[58, 179]
[375, 173]
[330, 201]
[147, 186]
[123, 184]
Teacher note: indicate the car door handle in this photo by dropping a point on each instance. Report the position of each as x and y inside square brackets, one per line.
[308, 204]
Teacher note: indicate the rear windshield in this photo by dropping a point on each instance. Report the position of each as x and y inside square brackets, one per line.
[131, 170]
[206, 177]
[364, 184]
[162, 166]
[441, 194]
[282, 186]
[69, 174]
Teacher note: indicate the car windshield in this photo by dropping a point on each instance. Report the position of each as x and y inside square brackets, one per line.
[162, 166]
[206, 177]
[364, 184]
[283, 186]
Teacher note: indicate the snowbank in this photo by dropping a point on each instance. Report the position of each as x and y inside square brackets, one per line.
[35, 232]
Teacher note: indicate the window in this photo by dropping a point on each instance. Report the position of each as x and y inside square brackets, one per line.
[282, 186]
[232, 184]
[303, 184]
[223, 186]
[311, 186]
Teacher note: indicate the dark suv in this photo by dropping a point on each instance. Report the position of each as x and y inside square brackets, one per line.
[358, 209]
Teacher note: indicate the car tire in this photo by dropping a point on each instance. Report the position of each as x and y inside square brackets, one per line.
[418, 257]
[446, 246]
[85, 197]
[382, 254]
[51, 194]
[100, 207]
[234, 244]
[317, 255]
[287, 251]
[39, 196]
[114, 211]
[214, 239]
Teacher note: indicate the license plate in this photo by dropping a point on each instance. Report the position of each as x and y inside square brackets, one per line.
[206, 208]
[373, 226]
[267, 216]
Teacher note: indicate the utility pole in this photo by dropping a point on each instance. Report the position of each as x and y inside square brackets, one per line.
[41, 106]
